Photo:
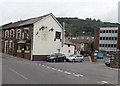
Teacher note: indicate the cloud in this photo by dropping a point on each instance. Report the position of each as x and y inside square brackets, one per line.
[14, 10]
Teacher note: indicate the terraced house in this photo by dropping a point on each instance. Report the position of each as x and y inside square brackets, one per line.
[35, 38]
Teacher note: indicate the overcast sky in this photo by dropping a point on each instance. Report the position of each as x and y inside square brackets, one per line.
[14, 10]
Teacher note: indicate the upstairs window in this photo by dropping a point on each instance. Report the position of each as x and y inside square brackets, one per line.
[18, 34]
[26, 34]
[11, 33]
[58, 35]
[6, 34]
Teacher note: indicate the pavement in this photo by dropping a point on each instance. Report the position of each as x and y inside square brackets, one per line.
[20, 71]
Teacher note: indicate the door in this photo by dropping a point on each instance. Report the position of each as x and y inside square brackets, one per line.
[22, 50]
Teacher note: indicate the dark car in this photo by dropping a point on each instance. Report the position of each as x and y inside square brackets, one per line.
[56, 57]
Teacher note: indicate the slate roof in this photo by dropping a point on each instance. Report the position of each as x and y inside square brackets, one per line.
[78, 41]
[23, 22]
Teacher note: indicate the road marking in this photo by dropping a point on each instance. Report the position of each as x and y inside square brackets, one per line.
[67, 72]
[60, 70]
[54, 68]
[103, 82]
[18, 73]
[43, 65]
[78, 75]
[48, 67]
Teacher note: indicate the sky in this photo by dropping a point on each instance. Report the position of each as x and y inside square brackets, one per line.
[15, 10]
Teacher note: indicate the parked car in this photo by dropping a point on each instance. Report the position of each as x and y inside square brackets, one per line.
[99, 56]
[56, 57]
[75, 57]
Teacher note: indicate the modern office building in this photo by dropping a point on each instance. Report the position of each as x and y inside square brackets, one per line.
[107, 39]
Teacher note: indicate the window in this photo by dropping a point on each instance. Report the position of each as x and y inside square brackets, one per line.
[11, 33]
[103, 38]
[112, 31]
[106, 38]
[109, 38]
[111, 45]
[115, 38]
[100, 45]
[105, 45]
[108, 45]
[106, 31]
[18, 34]
[26, 34]
[109, 31]
[100, 38]
[6, 34]
[115, 45]
[58, 35]
[103, 31]
[112, 38]
[68, 45]
[115, 31]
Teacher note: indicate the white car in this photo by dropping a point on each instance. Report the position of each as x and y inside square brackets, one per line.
[75, 57]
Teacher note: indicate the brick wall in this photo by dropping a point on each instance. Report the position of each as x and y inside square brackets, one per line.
[96, 39]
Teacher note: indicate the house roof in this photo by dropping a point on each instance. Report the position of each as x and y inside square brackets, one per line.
[78, 41]
[68, 42]
[26, 22]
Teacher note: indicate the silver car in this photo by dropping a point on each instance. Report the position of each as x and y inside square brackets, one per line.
[75, 57]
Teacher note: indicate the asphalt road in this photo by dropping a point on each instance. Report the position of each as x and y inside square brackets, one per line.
[20, 71]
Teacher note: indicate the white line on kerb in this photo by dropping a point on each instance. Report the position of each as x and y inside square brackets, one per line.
[18, 73]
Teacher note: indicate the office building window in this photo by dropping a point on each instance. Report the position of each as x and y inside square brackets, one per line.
[103, 38]
[112, 31]
[112, 38]
[109, 38]
[115, 38]
[115, 31]
[111, 45]
[100, 38]
[106, 38]
[105, 45]
[106, 31]
[108, 45]
[115, 45]
[109, 31]
[103, 31]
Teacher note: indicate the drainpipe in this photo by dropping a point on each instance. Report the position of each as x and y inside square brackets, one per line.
[63, 34]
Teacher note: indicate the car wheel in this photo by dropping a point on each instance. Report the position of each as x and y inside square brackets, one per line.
[73, 60]
[54, 60]
[64, 60]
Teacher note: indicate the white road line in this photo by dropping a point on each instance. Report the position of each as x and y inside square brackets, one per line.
[18, 73]
[78, 75]
[60, 70]
[103, 82]
[48, 67]
[67, 72]
[54, 69]
[43, 65]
